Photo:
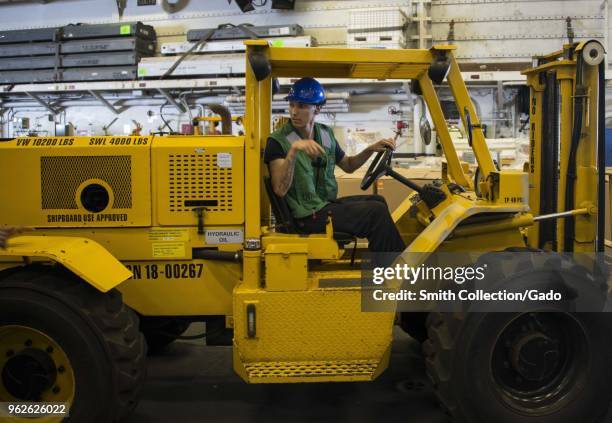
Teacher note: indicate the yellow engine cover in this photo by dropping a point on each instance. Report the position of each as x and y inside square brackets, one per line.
[62, 181]
[199, 169]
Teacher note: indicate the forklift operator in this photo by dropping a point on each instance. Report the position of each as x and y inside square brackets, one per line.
[301, 156]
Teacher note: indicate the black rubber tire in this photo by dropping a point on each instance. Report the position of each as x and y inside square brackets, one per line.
[161, 331]
[459, 353]
[96, 330]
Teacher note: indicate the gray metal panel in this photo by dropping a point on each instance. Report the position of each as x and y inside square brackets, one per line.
[24, 35]
[100, 74]
[233, 45]
[41, 62]
[143, 47]
[17, 77]
[109, 44]
[236, 33]
[12, 50]
[211, 64]
[100, 59]
[70, 60]
[76, 74]
[111, 30]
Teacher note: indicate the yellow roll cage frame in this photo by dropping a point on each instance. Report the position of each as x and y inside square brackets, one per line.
[354, 64]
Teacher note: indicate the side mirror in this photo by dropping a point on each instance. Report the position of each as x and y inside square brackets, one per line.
[439, 67]
[260, 64]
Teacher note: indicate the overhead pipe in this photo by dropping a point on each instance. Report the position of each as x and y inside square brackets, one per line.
[226, 117]
[281, 97]
[240, 111]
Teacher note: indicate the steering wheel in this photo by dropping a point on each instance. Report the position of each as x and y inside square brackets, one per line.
[377, 168]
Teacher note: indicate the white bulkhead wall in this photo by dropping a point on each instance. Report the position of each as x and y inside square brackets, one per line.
[515, 30]
[480, 28]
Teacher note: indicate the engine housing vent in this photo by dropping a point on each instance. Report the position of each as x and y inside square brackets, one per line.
[61, 176]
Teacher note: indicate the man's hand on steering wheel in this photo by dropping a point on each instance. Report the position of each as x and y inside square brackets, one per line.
[381, 162]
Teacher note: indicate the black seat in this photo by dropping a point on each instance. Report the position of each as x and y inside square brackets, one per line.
[284, 219]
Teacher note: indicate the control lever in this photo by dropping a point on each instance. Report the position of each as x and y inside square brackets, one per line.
[200, 213]
[199, 206]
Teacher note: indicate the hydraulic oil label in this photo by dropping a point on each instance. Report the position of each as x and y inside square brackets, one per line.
[224, 236]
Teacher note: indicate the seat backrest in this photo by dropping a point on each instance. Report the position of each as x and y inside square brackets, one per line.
[280, 208]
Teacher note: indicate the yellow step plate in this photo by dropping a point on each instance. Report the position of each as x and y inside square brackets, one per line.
[311, 371]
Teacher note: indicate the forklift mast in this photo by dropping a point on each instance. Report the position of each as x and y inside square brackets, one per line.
[567, 157]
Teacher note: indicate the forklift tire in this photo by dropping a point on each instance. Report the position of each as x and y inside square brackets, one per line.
[521, 367]
[61, 340]
[161, 331]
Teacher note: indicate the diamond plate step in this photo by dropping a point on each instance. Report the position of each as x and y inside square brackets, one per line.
[311, 371]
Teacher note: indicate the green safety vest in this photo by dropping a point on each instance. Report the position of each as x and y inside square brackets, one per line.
[307, 195]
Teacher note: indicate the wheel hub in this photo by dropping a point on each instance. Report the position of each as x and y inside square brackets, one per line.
[537, 359]
[535, 356]
[28, 374]
[33, 366]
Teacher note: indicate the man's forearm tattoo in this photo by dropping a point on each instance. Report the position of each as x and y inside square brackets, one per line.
[285, 182]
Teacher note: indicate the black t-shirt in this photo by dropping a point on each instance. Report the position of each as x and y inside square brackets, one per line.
[275, 151]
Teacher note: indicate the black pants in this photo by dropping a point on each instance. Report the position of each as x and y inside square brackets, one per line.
[364, 216]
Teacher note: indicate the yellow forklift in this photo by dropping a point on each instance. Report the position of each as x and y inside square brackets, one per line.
[138, 236]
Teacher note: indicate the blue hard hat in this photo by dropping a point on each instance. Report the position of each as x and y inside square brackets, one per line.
[308, 91]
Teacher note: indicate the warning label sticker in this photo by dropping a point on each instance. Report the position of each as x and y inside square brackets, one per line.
[169, 249]
[169, 234]
[224, 159]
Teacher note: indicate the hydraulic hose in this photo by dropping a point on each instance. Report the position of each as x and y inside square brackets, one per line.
[601, 160]
[580, 92]
[206, 254]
